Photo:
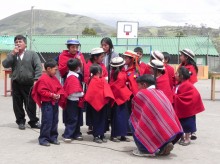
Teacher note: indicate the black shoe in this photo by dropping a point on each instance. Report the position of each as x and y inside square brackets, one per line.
[56, 142]
[45, 144]
[103, 139]
[21, 126]
[36, 125]
[78, 138]
[125, 139]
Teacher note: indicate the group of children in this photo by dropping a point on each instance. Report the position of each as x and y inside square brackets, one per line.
[111, 87]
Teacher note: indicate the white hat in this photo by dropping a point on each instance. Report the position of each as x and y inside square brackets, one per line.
[188, 52]
[157, 55]
[97, 51]
[157, 64]
[131, 54]
[117, 61]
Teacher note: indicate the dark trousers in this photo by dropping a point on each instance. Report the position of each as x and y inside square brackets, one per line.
[72, 116]
[99, 121]
[49, 123]
[139, 145]
[119, 120]
[21, 95]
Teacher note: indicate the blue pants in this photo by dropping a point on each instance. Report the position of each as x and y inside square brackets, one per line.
[139, 145]
[49, 123]
[72, 119]
[119, 120]
[99, 121]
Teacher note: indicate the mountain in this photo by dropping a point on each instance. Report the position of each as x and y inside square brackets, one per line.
[59, 23]
[51, 22]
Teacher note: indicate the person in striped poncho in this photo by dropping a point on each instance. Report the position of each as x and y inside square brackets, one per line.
[153, 121]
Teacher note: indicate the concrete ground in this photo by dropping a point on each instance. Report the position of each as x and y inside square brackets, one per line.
[21, 146]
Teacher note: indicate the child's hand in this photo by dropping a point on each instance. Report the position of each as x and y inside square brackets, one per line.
[55, 96]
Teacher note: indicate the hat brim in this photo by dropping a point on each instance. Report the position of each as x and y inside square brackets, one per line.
[152, 54]
[117, 65]
[162, 68]
[186, 54]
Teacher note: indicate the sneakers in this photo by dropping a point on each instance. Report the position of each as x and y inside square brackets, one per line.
[21, 126]
[114, 139]
[97, 140]
[167, 149]
[138, 153]
[36, 125]
[103, 139]
[45, 144]
[78, 138]
[193, 136]
[67, 140]
[56, 142]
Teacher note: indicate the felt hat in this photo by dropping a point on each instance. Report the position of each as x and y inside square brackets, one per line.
[188, 52]
[157, 64]
[117, 61]
[97, 51]
[157, 55]
[72, 41]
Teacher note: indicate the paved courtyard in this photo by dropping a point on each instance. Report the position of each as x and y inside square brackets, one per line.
[17, 146]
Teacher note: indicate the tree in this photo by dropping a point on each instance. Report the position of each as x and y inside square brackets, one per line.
[89, 31]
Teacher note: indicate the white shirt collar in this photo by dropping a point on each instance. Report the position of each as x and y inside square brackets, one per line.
[73, 73]
[152, 86]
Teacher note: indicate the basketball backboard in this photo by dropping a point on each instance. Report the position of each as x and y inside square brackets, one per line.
[126, 29]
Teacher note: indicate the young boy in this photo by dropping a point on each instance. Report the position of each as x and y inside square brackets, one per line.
[47, 93]
[72, 115]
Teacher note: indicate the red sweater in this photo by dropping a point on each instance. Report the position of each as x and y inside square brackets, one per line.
[63, 59]
[98, 93]
[147, 69]
[169, 70]
[119, 88]
[187, 100]
[45, 87]
[164, 85]
[132, 84]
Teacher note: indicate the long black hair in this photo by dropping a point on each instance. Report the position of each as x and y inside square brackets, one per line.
[184, 73]
[108, 41]
[190, 61]
[116, 71]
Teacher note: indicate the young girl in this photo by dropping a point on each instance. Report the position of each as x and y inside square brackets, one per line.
[154, 55]
[162, 80]
[119, 114]
[187, 103]
[132, 70]
[97, 55]
[187, 60]
[98, 96]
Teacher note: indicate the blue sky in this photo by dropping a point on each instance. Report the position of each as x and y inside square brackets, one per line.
[146, 12]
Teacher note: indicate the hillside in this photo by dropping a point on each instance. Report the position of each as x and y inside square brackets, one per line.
[51, 22]
[59, 23]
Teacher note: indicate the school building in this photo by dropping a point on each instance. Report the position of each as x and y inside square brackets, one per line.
[50, 46]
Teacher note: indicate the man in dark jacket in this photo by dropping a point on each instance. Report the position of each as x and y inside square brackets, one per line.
[26, 69]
